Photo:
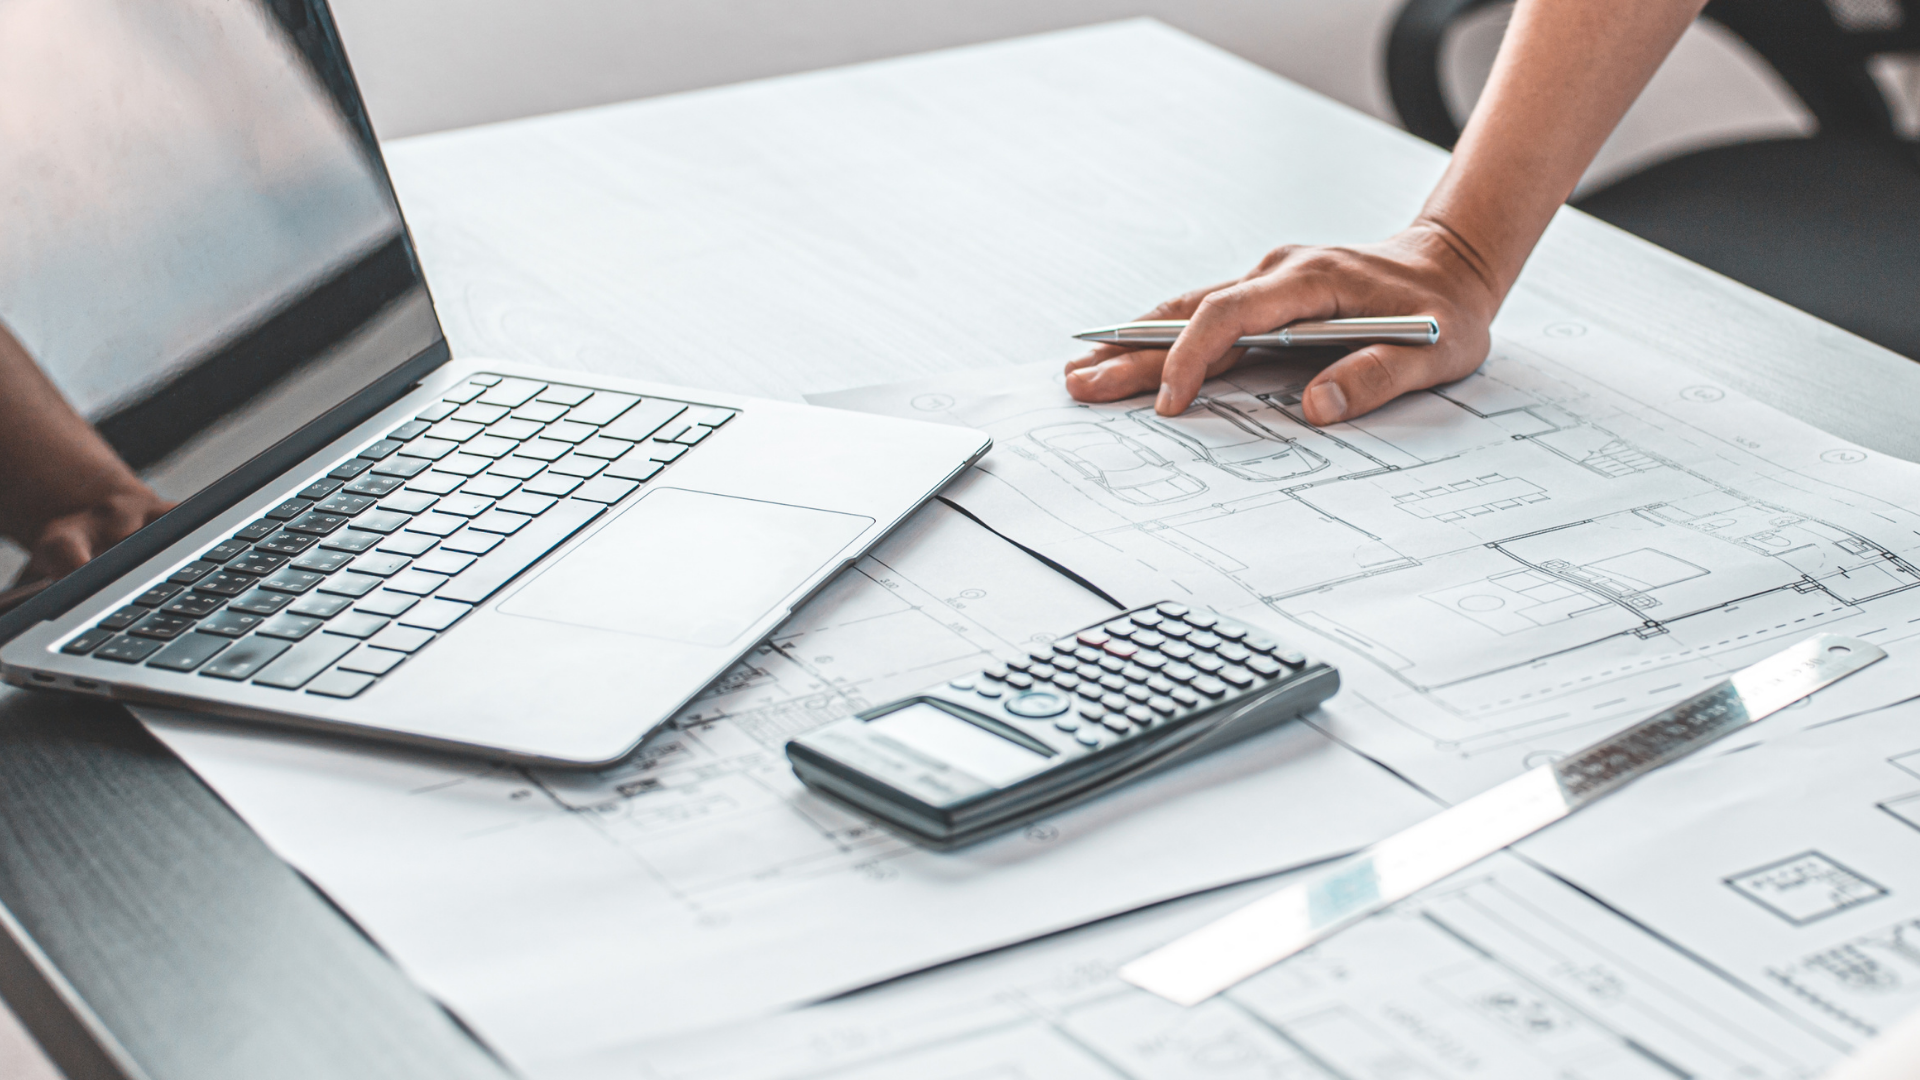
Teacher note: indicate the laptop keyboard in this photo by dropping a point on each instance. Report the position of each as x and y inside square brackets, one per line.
[374, 560]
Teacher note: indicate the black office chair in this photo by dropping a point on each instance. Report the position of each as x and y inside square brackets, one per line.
[1829, 224]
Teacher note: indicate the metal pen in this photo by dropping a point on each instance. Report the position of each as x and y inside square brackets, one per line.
[1390, 330]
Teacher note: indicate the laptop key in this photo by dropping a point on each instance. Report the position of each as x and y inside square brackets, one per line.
[192, 572]
[665, 451]
[287, 543]
[290, 626]
[259, 530]
[471, 543]
[257, 563]
[409, 430]
[577, 465]
[454, 430]
[386, 603]
[156, 596]
[244, 658]
[416, 582]
[407, 543]
[349, 469]
[488, 446]
[351, 540]
[499, 521]
[319, 489]
[381, 450]
[318, 524]
[436, 482]
[304, 661]
[605, 489]
[193, 605]
[540, 412]
[345, 504]
[351, 585]
[322, 561]
[551, 484]
[128, 650]
[713, 417]
[565, 395]
[546, 532]
[517, 468]
[375, 486]
[372, 661]
[189, 652]
[357, 624]
[511, 392]
[434, 614]
[400, 639]
[164, 627]
[289, 510]
[603, 448]
[227, 549]
[380, 564]
[635, 467]
[408, 502]
[488, 487]
[87, 642]
[229, 623]
[403, 467]
[601, 408]
[567, 431]
[479, 414]
[463, 505]
[640, 422]
[340, 684]
[437, 412]
[443, 562]
[515, 429]
[380, 521]
[529, 503]
[464, 392]
[122, 618]
[542, 449]
[435, 524]
[289, 580]
[320, 605]
[224, 583]
[259, 602]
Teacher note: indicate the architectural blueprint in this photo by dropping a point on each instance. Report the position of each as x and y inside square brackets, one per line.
[1501, 971]
[1504, 568]
[698, 883]
[1793, 865]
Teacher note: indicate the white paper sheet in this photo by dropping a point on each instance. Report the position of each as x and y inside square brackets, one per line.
[699, 884]
[1498, 972]
[1792, 865]
[1504, 569]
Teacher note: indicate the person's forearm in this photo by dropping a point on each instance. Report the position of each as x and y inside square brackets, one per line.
[1566, 73]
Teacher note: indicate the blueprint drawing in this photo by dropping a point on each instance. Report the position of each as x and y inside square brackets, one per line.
[1504, 568]
[1793, 865]
[1500, 972]
[698, 883]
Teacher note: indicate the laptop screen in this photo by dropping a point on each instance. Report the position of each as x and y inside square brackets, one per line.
[199, 248]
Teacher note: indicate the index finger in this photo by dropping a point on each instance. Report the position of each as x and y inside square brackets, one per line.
[1204, 347]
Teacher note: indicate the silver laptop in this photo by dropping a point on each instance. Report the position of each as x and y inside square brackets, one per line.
[373, 537]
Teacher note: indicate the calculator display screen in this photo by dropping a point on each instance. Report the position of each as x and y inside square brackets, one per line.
[937, 734]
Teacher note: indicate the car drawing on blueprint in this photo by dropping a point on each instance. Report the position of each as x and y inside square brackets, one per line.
[1122, 465]
[1228, 439]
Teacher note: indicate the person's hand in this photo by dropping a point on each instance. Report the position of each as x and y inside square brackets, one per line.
[70, 538]
[1426, 270]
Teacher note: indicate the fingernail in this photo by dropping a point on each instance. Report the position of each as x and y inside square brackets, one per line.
[1164, 402]
[1329, 402]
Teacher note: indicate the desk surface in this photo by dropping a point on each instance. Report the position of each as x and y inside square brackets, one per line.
[802, 234]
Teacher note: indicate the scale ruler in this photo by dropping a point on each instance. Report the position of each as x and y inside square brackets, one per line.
[1193, 968]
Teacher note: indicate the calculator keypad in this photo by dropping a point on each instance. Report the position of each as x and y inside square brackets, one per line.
[1146, 669]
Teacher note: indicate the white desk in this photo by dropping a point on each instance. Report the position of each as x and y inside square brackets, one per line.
[809, 233]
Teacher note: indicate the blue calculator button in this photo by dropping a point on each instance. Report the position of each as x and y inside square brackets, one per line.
[1038, 704]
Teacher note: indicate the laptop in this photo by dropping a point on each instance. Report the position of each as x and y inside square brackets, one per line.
[372, 537]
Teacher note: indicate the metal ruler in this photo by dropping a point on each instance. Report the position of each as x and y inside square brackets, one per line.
[1267, 931]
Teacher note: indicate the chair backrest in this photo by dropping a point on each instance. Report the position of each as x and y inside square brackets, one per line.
[1821, 49]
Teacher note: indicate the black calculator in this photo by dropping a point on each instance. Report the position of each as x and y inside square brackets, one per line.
[1022, 739]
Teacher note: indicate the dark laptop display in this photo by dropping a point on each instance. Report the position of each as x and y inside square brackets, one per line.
[198, 244]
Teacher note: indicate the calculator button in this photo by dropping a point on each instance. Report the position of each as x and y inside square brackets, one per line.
[1179, 650]
[1092, 639]
[1185, 696]
[1208, 663]
[1209, 686]
[1086, 655]
[1113, 682]
[1019, 663]
[1152, 661]
[1231, 633]
[1165, 706]
[1180, 672]
[1148, 618]
[1119, 628]
[1113, 664]
[1087, 739]
[1201, 620]
[1066, 680]
[1140, 714]
[1090, 711]
[1113, 701]
[994, 671]
[1135, 673]
[1041, 671]
[1203, 640]
[1266, 666]
[1118, 725]
[1090, 672]
[1260, 643]
[1065, 647]
[1172, 611]
[1160, 684]
[989, 691]
[1067, 725]
[961, 684]
[1090, 690]
[1294, 658]
[1173, 628]
[1237, 677]
[1138, 694]
[1019, 680]
[1122, 649]
[1147, 639]
[1038, 704]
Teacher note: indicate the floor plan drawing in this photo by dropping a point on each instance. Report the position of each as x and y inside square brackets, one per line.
[1500, 971]
[1511, 564]
[1776, 862]
[704, 861]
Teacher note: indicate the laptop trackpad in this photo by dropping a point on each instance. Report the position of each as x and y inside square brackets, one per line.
[687, 566]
